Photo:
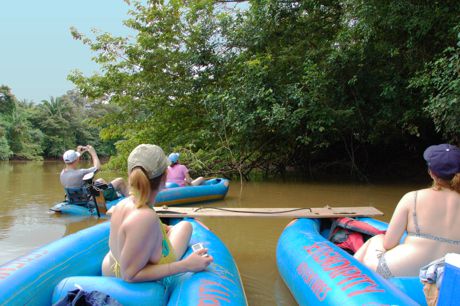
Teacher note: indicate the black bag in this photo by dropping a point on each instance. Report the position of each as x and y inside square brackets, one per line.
[80, 297]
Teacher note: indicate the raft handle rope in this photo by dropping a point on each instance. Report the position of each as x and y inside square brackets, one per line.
[166, 210]
[253, 212]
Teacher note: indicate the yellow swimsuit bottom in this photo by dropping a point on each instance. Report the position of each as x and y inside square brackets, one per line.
[167, 254]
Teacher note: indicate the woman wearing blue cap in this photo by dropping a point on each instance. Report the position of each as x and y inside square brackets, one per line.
[178, 174]
[430, 216]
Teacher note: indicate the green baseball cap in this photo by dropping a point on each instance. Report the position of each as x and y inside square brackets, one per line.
[149, 157]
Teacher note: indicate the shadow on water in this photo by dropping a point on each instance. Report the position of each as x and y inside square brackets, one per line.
[73, 224]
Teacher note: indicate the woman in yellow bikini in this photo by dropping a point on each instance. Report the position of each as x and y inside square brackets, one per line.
[141, 247]
[430, 216]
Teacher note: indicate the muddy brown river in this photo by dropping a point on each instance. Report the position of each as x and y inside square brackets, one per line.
[29, 189]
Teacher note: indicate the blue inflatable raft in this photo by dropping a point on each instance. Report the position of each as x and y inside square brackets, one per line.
[88, 209]
[46, 275]
[210, 190]
[317, 272]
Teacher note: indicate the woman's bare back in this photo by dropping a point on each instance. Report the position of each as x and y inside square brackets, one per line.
[124, 216]
[437, 213]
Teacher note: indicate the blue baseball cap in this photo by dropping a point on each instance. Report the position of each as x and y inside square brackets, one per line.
[173, 157]
[443, 160]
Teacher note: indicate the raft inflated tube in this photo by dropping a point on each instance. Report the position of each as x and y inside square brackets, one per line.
[219, 284]
[81, 210]
[319, 273]
[171, 185]
[210, 190]
[30, 279]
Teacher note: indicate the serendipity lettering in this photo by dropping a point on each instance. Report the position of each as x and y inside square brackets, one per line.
[338, 268]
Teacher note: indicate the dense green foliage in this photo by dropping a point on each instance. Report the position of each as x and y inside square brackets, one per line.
[440, 81]
[319, 86]
[34, 131]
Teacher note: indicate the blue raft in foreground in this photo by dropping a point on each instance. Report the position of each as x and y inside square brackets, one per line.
[46, 274]
[210, 190]
[317, 272]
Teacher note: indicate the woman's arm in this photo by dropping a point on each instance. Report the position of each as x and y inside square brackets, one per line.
[188, 178]
[398, 223]
[193, 263]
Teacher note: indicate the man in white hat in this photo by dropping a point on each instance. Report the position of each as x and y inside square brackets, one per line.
[72, 175]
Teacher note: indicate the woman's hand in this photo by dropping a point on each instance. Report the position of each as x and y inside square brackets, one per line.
[197, 262]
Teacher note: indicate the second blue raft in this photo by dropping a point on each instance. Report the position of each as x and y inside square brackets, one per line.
[317, 272]
[210, 190]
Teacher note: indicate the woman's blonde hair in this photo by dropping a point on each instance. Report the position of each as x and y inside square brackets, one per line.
[141, 186]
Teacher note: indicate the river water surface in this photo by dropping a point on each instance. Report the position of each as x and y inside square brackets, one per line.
[29, 189]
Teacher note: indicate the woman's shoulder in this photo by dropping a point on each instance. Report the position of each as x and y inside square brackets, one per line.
[124, 204]
[413, 196]
[139, 221]
[409, 195]
[421, 195]
[415, 193]
[127, 208]
[143, 214]
[426, 192]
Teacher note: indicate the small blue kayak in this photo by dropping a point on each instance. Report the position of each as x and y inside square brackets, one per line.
[317, 272]
[210, 190]
[87, 209]
[44, 276]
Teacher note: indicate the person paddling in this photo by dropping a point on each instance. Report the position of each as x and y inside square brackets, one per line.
[430, 217]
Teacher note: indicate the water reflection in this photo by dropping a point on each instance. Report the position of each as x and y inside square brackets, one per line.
[29, 189]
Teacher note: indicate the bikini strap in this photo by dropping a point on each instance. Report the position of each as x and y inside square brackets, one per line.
[414, 214]
[427, 236]
[164, 243]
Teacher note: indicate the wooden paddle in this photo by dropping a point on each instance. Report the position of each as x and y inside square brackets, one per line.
[307, 212]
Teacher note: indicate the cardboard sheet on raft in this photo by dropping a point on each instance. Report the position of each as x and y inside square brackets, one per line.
[307, 212]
